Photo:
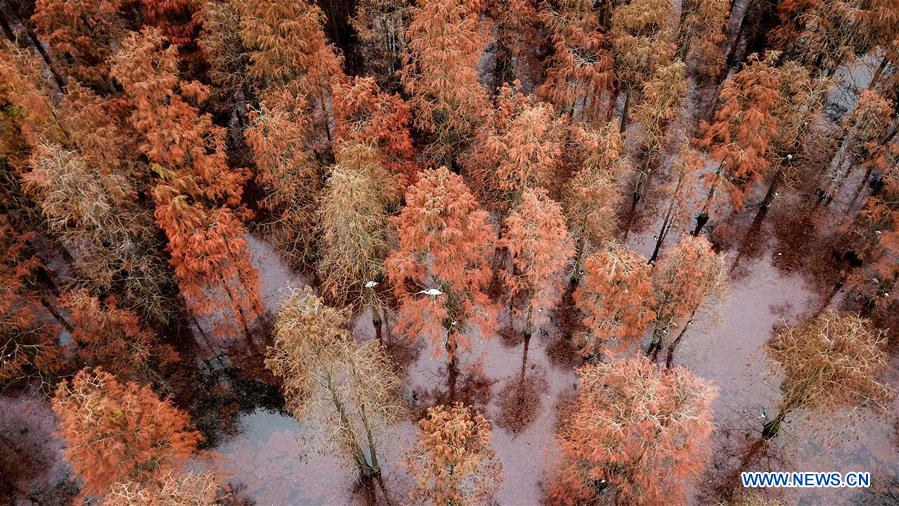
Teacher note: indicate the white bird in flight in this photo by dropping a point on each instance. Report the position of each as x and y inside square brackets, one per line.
[433, 292]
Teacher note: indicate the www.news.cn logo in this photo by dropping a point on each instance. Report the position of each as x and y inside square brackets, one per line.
[752, 479]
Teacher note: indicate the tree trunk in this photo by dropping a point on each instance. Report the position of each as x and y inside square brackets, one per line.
[199, 328]
[861, 186]
[56, 314]
[35, 41]
[833, 293]
[701, 221]
[658, 334]
[663, 232]
[749, 237]
[7, 29]
[502, 67]
[610, 110]
[567, 312]
[524, 363]
[452, 376]
[376, 322]
[622, 126]
[835, 170]
[683, 38]
[326, 119]
[772, 427]
[879, 72]
[583, 115]
[706, 111]
[731, 54]
[498, 258]
[669, 214]
[240, 313]
[703, 216]
[892, 133]
[529, 322]
[365, 470]
[772, 190]
[636, 195]
[653, 351]
[524, 357]
[749, 26]
[581, 250]
[375, 467]
[673, 346]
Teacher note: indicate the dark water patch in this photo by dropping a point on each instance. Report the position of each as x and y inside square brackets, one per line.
[222, 395]
[32, 467]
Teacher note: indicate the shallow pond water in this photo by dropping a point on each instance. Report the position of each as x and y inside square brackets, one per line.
[723, 345]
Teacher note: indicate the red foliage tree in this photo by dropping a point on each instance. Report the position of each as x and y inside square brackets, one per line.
[617, 298]
[364, 114]
[874, 234]
[440, 268]
[206, 243]
[280, 136]
[739, 138]
[540, 247]
[27, 345]
[287, 44]
[686, 276]
[98, 128]
[660, 106]
[590, 197]
[180, 21]
[452, 460]
[209, 252]
[288, 48]
[227, 58]
[825, 34]
[702, 34]
[643, 38]
[31, 108]
[521, 149]
[881, 23]
[177, 136]
[861, 136]
[119, 432]
[581, 73]
[109, 336]
[799, 143]
[83, 33]
[636, 436]
[445, 44]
